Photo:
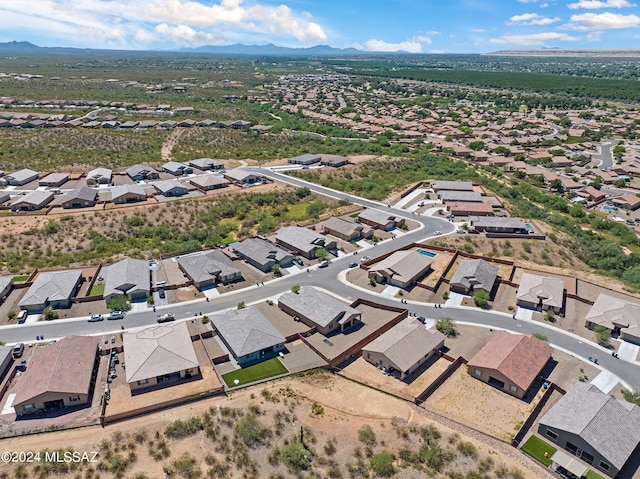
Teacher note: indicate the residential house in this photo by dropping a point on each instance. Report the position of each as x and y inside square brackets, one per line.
[248, 335]
[404, 348]
[80, 198]
[306, 159]
[129, 277]
[51, 288]
[262, 254]
[303, 241]
[569, 185]
[205, 164]
[206, 268]
[99, 176]
[600, 430]
[6, 285]
[380, 219]
[320, 310]
[54, 179]
[452, 186]
[6, 360]
[465, 208]
[540, 292]
[618, 315]
[209, 182]
[128, 194]
[448, 196]
[242, 177]
[142, 172]
[510, 362]
[474, 275]
[334, 161]
[402, 268]
[32, 201]
[21, 177]
[498, 225]
[159, 355]
[627, 201]
[177, 169]
[59, 375]
[590, 193]
[343, 229]
[170, 188]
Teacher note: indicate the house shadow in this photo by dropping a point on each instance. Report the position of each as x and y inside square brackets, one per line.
[54, 412]
[421, 369]
[166, 384]
[351, 329]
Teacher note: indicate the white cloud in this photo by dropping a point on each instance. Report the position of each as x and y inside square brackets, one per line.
[602, 21]
[478, 30]
[544, 5]
[531, 19]
[183, 20]
[596, 4]
[184, 35]
[411, 46]
[423, 39]
[533, 39]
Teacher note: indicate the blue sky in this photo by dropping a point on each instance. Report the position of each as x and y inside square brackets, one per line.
[419, 26]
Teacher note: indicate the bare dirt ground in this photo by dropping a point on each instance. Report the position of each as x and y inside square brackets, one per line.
[127, 449]
[170, 141]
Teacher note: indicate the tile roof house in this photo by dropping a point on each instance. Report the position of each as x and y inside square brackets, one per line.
[177, 169]
[51, 288]
[21, 177]
[99, 176]
[240, 176]
[402, 268]
[262, 254]
[448, 196]
[380, 219]
[618, 315]
[511, 362]
[128, 194]
[206, 268]
[473, 275]
[303, 241]
[59, 375]
[129, 277]
[466, 208]
[540, 292]
[142, 172]
[404, 348]
[343, 229]
[32, 201]
[170, 188]
[158, 355]
[248, 334]
[602, 431]
[318, 309]
[627, 201]
[209, 182]
[206, 164]
[80, 198]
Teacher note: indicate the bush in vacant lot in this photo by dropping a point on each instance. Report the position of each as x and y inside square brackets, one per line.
[295, 456]
[251, 431]
[330, 448]
[446, 326]
[179, 428]
[317, 409]
[382, 464]
[467, 448]
[366, 435]
[186, 466]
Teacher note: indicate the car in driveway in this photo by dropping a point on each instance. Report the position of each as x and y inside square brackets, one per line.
[299, 261]
[116, 315]
[95, 317]
[162, 293]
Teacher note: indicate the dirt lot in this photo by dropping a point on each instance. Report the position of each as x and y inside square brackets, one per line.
[287, 402]
[472, 402]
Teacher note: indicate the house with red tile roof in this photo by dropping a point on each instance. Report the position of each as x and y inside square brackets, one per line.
[510, 362]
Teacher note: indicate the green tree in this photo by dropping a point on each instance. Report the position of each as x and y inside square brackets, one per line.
[321, 253]
[11, 315]
[295, 288]
[619, 151]
[275, 269]
[382, 464]
[481, 298]
[49, 313]
[603, 335]
[476, 145]
[241, 305]
[555, 184]
[446, 326]
[631, 396]
[119, 303]
[315, 208]
[540, 336]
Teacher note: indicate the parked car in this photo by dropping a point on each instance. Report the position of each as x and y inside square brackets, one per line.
[473, 232]
[164, 318]
[18, 349]
[299, 261]
[323, 263]
[460, 232]
[22, 365]
[95, 317]
[365, 258]
[353, 265]
[437, 233]
[421, 203]
[421, 319]
[22, 316]
[116, 315]
[162, 293]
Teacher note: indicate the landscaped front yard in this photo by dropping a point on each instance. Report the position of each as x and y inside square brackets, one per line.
[266, 369]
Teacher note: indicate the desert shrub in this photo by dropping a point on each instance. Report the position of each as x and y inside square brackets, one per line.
[179, 428]
[382, 464]
[366, 435]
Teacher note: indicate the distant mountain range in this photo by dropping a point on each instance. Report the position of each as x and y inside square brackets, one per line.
[236, 49]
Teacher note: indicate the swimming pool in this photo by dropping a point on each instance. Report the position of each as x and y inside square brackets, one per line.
[427, 253]
[609, 208]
